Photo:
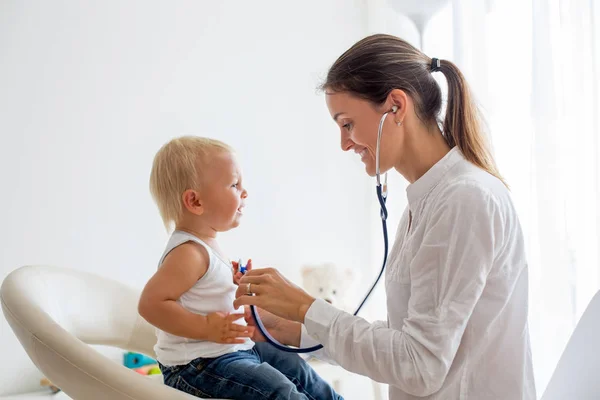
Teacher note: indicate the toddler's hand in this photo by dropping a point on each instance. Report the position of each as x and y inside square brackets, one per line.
[238, 275]
[221, 328]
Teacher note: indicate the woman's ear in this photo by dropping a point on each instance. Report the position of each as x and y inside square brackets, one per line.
[398, 99]
[192, 203]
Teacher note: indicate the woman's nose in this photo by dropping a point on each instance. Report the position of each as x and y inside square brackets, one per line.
[346, 143]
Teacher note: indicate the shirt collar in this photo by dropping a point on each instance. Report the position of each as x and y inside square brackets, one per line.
[418, 189]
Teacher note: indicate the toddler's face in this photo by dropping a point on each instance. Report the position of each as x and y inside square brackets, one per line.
[222, 192]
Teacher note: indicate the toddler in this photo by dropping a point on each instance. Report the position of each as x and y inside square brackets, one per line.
[201, 349]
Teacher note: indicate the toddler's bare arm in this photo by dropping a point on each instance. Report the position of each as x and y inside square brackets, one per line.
[180, 270]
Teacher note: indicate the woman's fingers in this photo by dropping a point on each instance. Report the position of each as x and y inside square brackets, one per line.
[255, 288]
[255, 279]
[274, 293]
[248, 316]
[237, 277]
[254, 282]
[248, 300]
[260, 271]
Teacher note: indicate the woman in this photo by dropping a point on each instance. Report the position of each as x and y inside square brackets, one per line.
[457, 277]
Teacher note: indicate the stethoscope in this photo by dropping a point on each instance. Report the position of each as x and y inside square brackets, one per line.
[382, 197]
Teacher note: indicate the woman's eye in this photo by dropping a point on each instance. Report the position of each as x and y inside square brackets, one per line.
[348, 126]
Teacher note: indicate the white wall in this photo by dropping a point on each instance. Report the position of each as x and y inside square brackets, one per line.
[90, 90]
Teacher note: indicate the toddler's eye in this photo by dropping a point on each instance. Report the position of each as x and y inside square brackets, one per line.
[235, 185]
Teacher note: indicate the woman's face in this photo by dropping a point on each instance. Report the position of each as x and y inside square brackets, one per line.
[358, 121]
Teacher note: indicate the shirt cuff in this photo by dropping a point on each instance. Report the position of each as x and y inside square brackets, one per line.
[318, 320]
[306, 340]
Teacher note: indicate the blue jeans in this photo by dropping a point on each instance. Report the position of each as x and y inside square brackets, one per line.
[262, 372]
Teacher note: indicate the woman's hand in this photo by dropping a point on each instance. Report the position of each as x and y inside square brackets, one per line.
[284, 331]
[273, 293]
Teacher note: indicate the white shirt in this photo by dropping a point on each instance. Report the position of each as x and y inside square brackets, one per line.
[457, 297]
[215, 291]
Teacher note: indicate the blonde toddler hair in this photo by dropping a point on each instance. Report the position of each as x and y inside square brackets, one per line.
[178, 167]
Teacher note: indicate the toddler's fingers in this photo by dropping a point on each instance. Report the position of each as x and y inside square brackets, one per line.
[234, 341]
[234, 328]
[236, 334]
[234, 317]
[233, 335]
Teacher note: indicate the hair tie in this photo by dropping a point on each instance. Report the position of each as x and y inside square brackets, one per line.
[435, 64]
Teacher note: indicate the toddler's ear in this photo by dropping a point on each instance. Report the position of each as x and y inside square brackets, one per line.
[192, 202]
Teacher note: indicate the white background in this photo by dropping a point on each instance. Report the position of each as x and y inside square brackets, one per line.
[90, 90]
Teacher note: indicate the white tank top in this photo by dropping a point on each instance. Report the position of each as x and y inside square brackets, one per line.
[215, 291]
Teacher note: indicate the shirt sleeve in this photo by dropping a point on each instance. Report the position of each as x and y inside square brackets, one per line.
[448, 274]
[307, 341]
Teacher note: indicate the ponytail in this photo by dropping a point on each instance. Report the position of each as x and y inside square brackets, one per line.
[462, 125]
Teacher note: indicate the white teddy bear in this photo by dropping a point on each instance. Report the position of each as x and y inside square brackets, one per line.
[330, 283]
